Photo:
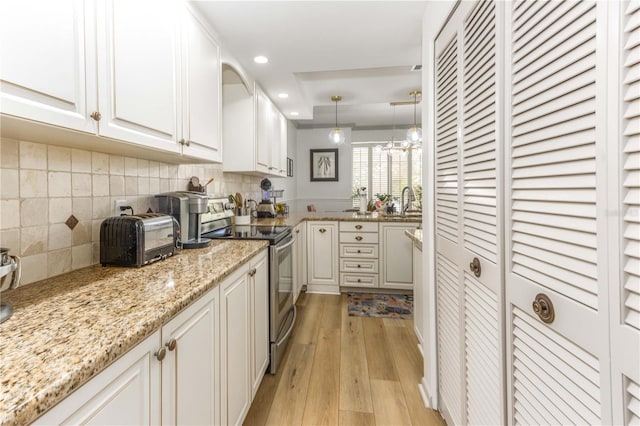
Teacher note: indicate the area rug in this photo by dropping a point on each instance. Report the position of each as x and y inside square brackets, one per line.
[398, 306]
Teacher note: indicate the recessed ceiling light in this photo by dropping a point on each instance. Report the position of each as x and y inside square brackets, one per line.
[283, 95]
[294, 113]
[260, 59]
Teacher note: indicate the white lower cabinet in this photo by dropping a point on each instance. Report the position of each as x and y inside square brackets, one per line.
[196, 369]
[259, 290]
[322, 257]
[126, 392]
[190, 371]
[300, 259]
[396, 256]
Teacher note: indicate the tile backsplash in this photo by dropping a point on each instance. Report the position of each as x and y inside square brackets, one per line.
[41, 186]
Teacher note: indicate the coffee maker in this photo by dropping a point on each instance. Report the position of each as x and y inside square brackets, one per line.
[188, 208]
[266, 207]
[8, 264]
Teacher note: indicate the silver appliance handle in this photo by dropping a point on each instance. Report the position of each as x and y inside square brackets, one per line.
[293, 322]
[289, 244]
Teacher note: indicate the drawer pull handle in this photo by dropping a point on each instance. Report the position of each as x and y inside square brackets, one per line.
[358, 238]
[358, 226]
[322, 230]
[543, 306]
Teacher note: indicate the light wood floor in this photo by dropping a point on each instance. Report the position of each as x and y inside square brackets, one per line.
[342, 370]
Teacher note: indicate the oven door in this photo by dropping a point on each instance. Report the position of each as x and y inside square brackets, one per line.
[280, 286]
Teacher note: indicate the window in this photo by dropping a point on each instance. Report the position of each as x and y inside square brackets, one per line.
[381, 173]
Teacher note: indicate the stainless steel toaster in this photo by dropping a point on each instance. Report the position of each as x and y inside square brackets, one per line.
[138, 240]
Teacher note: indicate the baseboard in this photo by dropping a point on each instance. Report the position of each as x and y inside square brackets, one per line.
[376, 290]
[322, 289]
[426, 395]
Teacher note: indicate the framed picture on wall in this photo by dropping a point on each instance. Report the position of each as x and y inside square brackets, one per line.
[324, 165]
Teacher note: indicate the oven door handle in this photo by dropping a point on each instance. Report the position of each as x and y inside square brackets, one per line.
[289, 244]
[293, 322]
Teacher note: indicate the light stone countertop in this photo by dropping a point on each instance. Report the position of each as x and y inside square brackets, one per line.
[66, 329]
[416, 236]
[292, 219]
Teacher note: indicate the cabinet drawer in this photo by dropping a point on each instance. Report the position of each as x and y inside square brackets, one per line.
[367, 251]
[358, 226]
[359, 237]
[359, 265]
[358, 280]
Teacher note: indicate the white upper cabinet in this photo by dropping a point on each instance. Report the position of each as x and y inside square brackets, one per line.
[45, 75]
[142, 72]
[254, 132]
[201, 90]
[138, 64]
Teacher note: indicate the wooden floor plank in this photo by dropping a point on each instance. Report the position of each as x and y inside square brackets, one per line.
[409, 366]
[322, 402]
[379, 359]
[389, 405]
[356, 418]
[355, 393]
[307, 331]
[290, 396]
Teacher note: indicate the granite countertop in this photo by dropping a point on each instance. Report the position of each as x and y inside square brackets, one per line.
[292, 219]
[416, 236]
[66, 329]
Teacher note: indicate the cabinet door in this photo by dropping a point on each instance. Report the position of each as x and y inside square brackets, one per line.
[264, 128]
[190, 370]
[557, 213]
[235, 343]
[396, 256]
[48, 63]
[126, 392]
[201, 90]
[259, 278]
[322, 254]
[138, 66]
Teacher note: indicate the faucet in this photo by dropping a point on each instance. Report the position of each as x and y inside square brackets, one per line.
[410, 197]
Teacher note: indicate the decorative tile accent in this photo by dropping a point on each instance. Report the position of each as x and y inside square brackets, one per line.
[72, 222]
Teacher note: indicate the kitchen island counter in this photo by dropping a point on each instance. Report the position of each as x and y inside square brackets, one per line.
[66, 329]
[292, 219]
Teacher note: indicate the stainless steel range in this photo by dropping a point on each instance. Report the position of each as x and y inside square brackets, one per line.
[282, 311]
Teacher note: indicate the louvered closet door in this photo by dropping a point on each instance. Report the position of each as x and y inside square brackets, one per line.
[469, 315]
[557, 212]
[625, 295]
[481, 215]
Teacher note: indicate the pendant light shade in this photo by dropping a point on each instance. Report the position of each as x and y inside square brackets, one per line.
[336, 135]
[414, 134]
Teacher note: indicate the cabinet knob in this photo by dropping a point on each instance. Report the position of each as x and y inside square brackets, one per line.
[171, 344]
[187, 142]
[358, 226]
[543, 306]
[359, 280]
[297, 231]
[358, 238]
[252, 272]
[181, 141]
[358, 265]
[161, 353]
[474, 266]
[359, 251]
[96, 115]
[322, 230]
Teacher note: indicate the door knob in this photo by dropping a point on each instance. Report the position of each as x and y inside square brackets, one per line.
[543, 306]
[474, 266]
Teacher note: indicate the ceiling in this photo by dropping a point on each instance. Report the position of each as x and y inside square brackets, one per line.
[361, 50]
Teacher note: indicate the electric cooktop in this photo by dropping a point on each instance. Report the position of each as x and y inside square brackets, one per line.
[251, 232]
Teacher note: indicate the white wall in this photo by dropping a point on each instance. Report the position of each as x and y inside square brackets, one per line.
[327, 196]
[290, 184]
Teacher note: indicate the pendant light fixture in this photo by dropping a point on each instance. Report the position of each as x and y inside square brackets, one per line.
[336, 135]
[393, 147]
[414, 134]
